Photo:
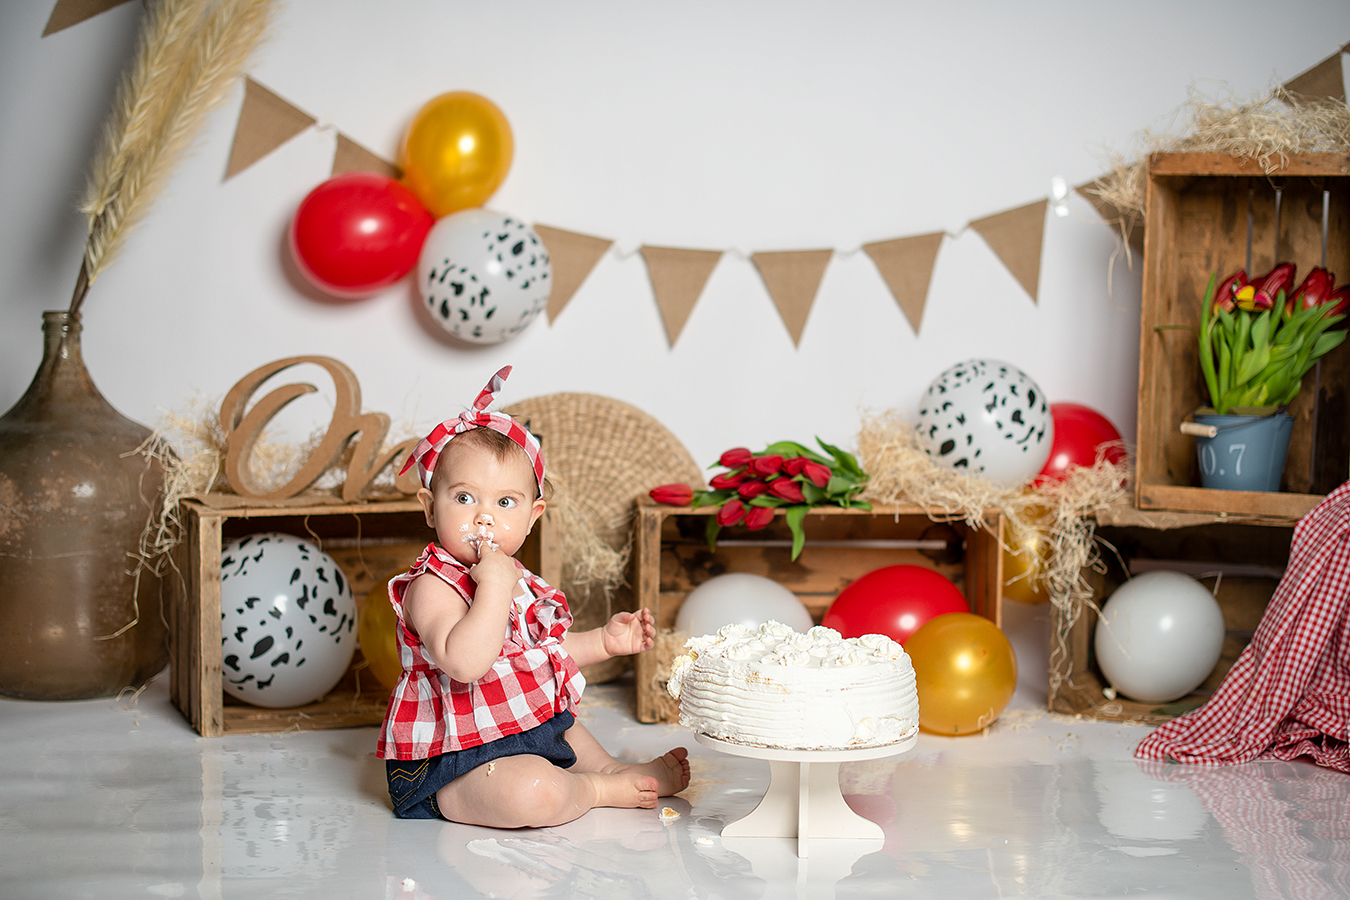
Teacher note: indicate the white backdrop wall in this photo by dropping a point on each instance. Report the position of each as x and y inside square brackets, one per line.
[740, 126]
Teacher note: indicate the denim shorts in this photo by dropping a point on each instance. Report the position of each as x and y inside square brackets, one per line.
[413, 783]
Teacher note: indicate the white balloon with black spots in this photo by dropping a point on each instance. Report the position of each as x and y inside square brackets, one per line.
[287, 620]
[484, 276]
[988, 418]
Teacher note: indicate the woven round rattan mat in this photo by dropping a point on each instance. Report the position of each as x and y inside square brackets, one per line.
[602, 455]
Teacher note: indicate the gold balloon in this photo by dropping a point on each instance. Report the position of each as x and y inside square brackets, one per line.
[1024, 566]
[966, 672]
[456, 152]
[375, 627]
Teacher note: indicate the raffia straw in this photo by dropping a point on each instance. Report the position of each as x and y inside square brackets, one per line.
[1063, 512]
[188, 57]
[1269, 129]
[900, 471]
[589, 563]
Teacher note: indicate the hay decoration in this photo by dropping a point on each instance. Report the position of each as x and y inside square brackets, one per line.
[1064, 512]
[1268, 129]
[900, 471]
[589, 562]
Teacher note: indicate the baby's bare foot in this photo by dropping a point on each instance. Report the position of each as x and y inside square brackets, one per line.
[671, 771]
[625, 790]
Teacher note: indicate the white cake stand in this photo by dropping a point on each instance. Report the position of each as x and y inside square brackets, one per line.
[804, 800]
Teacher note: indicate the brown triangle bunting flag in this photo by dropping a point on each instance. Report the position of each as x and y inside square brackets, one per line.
[793, 278]
[678, 277]
[906, 265]
[72, 12]
[265, 123]
[352, 157]
[1324, 81]
[572, 257]
[1015, 237]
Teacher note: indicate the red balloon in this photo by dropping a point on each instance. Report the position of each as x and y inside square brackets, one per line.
[1079, 431]
[358, 233]
[894, 601]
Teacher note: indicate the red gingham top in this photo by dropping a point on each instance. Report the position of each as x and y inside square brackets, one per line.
[1288, 694]
[532, 680]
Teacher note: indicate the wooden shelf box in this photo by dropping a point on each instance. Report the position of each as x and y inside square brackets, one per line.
[369, 541]
[1196, 224]
[672, 558]
[1251, 557]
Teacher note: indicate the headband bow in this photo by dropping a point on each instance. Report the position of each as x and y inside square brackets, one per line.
[429, 449]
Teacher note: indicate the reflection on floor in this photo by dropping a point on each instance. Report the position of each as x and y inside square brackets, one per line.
[114, 799]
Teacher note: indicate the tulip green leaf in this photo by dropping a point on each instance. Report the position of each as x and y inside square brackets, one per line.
[1256, 359]
[794, 516]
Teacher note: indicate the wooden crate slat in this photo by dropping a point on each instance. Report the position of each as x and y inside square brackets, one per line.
[1211, 164]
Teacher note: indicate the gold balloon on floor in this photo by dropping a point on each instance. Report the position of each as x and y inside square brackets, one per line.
[456, 152]
[375, 628]
[966, 672]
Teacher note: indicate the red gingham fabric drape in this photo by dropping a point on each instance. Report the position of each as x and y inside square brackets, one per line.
[1288, 694]
[1285, 822]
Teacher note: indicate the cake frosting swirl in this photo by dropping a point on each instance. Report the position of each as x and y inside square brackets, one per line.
[775, 687]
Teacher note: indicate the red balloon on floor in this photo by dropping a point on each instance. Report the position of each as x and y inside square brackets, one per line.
[358, 233]
[1079, 431]
[894, 601]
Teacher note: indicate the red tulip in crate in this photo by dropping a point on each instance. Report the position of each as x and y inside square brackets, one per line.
[672, 558]
[369, 542]
[1212, 214]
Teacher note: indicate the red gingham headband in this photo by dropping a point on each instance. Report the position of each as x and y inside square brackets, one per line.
[429, 450]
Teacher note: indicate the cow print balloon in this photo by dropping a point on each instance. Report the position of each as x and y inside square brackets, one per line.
[988, 418]
[484, 276]
[287, 620]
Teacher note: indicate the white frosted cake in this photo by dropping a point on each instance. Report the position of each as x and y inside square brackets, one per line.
[779, 688]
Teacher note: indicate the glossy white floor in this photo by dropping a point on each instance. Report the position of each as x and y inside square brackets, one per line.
[113, 799]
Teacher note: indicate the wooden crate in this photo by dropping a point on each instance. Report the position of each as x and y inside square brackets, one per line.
[672, 558]
[1252, 558]
[370, 541]
[1197, 211]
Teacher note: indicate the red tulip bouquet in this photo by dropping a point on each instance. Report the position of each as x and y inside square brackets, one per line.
[785, 475]
[1258, 339]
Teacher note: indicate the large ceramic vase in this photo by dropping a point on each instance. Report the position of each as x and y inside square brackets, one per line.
[75, 621]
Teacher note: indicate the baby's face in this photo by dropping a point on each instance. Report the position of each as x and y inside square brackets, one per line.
[477, 498]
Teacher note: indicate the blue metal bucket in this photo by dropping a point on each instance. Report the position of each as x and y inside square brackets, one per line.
[1247, 454]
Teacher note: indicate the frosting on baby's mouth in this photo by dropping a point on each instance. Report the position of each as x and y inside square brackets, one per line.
[480, 537]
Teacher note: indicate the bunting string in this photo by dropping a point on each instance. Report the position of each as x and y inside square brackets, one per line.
[678, 275]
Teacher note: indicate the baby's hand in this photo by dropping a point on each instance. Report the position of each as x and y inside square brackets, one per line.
[627, 633]
[494, 567]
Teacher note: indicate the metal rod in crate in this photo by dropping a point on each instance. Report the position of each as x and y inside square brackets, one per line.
[1251, 200]
[1317, 366]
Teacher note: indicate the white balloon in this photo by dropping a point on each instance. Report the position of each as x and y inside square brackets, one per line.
[987, 417]
[1136, 807]
[484, 275]
[287, 620]
[1159, 636]
[739, 598]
